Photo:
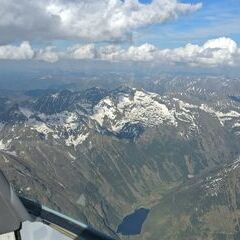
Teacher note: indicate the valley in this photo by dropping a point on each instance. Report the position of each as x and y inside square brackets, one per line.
[111, 151]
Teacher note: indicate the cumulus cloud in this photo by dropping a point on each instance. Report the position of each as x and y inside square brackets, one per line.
[95, 20]
[24, 51]
[145, 52]
[111, 53]
[48, 55]
[215, 52]
[220, 51]
[81, 52]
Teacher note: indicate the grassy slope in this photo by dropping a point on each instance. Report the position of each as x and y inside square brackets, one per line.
[189, 213]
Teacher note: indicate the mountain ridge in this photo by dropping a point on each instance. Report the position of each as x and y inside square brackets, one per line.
[124, 148]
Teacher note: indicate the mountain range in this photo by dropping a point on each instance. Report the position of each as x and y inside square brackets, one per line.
[98, 154]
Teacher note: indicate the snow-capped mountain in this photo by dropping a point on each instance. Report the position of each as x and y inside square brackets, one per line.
[120, 145]
[71, 116]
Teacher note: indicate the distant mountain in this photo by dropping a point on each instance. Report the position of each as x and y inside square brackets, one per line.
[110, 151]
[39, 92]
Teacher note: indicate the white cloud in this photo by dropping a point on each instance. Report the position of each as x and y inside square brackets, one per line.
[94, 20]
[110, 53]
[24, 51]
[145, 52]
[216, 52]
[220, 51]
[47, 55]
[81, 52]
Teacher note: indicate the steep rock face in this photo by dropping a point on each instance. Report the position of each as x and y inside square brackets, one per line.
[131, 131]
[111, 151]
[66, 101]
[10, 112]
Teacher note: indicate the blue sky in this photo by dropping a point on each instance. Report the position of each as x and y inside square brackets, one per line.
[217, 18]
[145, 1]
[205, 33]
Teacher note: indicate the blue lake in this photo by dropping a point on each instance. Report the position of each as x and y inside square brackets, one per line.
[132, 223]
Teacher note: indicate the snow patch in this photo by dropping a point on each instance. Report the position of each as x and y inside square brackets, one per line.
[82, 200]
[236, 125]
[71, 156]
[41, 128]
[56, 95]
[222, 117]
[76, 140]
[5, 146]
[26, 112]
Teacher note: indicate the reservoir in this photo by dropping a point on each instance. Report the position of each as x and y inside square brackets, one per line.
[132, 223]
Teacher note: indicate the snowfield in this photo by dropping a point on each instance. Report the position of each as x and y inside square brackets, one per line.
[144, 107]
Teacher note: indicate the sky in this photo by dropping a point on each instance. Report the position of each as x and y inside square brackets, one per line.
[204, 33]
[217, 18]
